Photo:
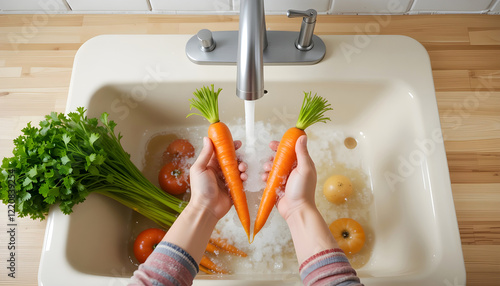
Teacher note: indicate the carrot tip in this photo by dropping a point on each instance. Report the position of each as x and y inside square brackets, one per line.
[253, 237]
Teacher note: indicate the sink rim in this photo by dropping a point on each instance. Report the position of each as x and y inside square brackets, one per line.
[85, 80]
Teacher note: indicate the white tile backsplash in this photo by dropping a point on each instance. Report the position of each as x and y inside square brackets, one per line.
[451, 5]
[281, 6]
[191, 5]
[109, 5]
[272, 6]
[370, 6]
[495, 9]
[33, 5]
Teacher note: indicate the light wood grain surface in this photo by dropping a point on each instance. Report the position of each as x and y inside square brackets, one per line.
[36, 58]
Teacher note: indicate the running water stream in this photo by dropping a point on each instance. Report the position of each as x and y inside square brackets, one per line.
[250, 123]
[251, 157]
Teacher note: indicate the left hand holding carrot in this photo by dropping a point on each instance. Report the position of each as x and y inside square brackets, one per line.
[208, 187]
[209, 202]
[206, 101]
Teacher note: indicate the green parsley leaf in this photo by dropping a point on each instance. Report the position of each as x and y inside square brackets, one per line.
[70, 156]
[66, 139]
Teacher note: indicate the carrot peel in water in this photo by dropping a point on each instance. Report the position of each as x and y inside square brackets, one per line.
[212, 248]
[312, 111]
[206, 101]
[211, 266]
[224, 245]
[203, 269]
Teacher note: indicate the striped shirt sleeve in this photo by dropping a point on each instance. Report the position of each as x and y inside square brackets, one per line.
[329, 267]
[167, 265]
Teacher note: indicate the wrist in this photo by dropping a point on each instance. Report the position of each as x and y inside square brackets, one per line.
[310, 233]
[192, 230]
[297, 213]
[200, 213]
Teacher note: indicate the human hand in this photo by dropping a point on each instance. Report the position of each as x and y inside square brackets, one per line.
[310, 233]
[208, 188]
[300, 185]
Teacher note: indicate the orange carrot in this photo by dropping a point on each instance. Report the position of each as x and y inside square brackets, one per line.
[312, 111]
[202, 268]
[218, 132]
[209, 264]
[224, 245]
[212, 248]
[282, 166]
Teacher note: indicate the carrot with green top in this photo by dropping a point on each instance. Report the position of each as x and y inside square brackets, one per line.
[312, 111]
[206, 102]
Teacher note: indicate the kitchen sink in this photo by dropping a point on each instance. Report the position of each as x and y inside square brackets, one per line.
[382, 94]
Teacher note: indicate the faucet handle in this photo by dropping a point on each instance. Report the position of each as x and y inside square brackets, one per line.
[304, 41]
[206, 40]
[309, 15]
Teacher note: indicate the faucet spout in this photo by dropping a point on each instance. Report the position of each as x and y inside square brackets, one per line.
[252, 41]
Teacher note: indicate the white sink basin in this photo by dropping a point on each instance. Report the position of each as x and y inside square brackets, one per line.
[382, 94]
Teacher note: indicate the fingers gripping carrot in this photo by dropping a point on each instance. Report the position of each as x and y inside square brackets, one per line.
[224, 150]
[312, 111]
[282, 166]
[206, 102]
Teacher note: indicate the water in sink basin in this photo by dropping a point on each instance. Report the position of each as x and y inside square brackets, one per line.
[272, 252]
[378, 104]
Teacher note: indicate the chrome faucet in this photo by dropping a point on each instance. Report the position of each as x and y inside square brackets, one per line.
[253, 46]
[252, 41]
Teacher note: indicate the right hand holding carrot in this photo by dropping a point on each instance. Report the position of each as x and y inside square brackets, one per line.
[312, 111]
[296, 205]
[300, 185]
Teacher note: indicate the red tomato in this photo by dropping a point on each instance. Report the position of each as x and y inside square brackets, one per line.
[173, 178]
[178, 149]
[146, 242]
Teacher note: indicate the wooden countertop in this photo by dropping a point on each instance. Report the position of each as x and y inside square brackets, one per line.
[36, 58]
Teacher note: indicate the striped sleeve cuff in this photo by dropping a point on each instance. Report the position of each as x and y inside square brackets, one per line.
[169, 264]
[328, 267]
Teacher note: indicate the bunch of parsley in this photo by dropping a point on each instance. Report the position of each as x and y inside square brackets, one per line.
[69, 157]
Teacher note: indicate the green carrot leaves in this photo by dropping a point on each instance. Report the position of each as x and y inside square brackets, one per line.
[206, 102]
[312, 111]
